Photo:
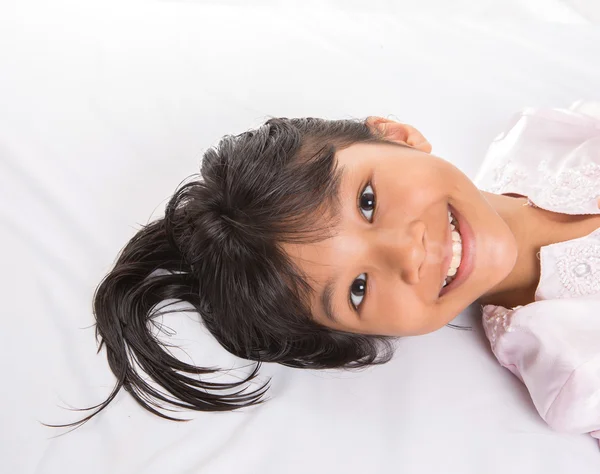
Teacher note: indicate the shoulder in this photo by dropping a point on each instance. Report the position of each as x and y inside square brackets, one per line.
[542, 153]
[553, 346]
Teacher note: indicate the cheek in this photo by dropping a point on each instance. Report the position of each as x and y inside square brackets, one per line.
[399, 313]
[419, 321]
[403, 313]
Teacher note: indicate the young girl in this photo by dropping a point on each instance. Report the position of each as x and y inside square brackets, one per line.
[312, 243]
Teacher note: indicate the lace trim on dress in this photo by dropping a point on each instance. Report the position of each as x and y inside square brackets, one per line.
[570, 188]
[565, 190]
[505, 175]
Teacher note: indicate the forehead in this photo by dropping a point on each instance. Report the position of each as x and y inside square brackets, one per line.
[358, 153]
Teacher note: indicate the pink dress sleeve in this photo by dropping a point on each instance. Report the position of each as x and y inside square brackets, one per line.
[553, 346]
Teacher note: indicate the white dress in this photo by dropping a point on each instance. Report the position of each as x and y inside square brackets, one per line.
[552, 156]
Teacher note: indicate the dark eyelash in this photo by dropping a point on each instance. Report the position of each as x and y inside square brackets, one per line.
[357, 309]
[362, 191]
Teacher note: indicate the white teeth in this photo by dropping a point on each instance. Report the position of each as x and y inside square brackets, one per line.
[456, 250]
[456, 254]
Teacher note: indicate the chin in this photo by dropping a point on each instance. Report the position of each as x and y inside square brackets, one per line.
[501, 258]
[498, 270]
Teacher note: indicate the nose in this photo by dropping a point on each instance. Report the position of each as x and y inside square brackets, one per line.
[404, 249]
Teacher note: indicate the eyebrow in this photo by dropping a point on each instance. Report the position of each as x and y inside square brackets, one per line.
[326, 300]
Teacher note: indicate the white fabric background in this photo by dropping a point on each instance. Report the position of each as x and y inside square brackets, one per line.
[105, 108]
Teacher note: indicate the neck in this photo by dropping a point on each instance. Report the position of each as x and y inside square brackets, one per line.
[518, 288]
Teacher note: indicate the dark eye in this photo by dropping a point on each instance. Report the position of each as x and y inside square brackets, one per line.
[358, 290]
[366, 202]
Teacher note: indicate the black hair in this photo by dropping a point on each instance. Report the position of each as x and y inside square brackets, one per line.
[218, 248]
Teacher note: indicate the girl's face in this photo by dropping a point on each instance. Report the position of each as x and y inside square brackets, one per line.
[383, 271]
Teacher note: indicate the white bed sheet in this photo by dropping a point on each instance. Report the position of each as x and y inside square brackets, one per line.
[105, 108]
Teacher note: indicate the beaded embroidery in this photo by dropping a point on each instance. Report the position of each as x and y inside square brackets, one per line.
[579, 269]
[498, 322]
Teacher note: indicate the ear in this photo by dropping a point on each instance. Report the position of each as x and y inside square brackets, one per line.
[399, 133]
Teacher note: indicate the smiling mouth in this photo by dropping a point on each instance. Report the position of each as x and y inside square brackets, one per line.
[457, 250]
